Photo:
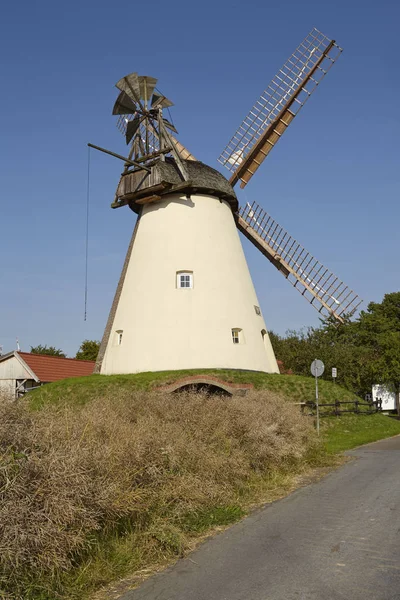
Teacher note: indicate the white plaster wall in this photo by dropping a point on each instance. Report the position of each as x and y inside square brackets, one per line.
[10, 370]
[387, 394]
[7, 389]
[166, 328]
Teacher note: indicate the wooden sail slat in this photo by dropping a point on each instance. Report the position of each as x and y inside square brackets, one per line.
[277, 106]
[267, 141]
[316, 283]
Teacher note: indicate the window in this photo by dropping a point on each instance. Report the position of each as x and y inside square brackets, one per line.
[119, 333]
[184, 279]
[265, 338]
[257, 309]
[236, 335]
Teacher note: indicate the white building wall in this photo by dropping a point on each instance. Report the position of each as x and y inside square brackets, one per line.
[387, 394]
[7, 389]
[167, 328]
[10, 370]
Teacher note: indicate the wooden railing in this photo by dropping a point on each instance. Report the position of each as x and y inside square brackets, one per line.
[335, 408]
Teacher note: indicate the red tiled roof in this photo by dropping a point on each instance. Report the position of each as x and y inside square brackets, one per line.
[53, 368]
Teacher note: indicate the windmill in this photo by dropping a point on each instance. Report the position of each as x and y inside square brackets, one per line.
[185, 298]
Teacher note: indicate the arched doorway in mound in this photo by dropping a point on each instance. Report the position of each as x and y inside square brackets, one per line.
[206, 383]
[204, 388]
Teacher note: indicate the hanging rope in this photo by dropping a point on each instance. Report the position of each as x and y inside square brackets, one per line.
[87, 233]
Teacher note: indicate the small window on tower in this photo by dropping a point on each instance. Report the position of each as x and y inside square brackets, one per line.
[119, 337]
[257, 309]
[265, 338]
[184, 279]
[236, 335]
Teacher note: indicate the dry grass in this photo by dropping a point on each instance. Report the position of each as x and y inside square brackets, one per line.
[136, 470]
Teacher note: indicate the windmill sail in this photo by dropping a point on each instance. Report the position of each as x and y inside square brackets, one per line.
[278, 105]
[326, 292]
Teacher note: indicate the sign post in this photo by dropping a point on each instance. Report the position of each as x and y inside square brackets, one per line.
[317, 369]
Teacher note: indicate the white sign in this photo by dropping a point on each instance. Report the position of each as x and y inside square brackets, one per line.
[317, 368]
[334, 372]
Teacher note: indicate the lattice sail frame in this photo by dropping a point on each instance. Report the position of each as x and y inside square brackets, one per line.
[326, 292]
[147, 136]
[288, 87]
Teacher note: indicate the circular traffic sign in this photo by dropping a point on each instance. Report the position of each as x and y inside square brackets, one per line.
[317, 368]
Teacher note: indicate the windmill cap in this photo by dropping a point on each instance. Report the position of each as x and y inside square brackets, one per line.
[202, 178]
[165, 179]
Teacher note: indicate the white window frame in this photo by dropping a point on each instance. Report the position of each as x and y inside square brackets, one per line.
[237, 336]
[188, 279]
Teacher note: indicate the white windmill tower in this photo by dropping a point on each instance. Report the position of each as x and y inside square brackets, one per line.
[185, 298]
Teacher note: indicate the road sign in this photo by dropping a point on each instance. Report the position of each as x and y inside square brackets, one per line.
[334, 372]
[317, 368]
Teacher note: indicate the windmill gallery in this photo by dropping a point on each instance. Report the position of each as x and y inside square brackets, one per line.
[185, 298]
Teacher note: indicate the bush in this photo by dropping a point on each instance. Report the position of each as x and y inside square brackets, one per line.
[159, 466]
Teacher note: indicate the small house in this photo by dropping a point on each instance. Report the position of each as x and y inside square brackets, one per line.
[22, 371]
[387, 394]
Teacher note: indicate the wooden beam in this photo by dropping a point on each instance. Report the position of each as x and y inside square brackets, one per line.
[273, 132]
[137, 197]
[280, 263]
[148, 199]
[271, 137]
[259, 243]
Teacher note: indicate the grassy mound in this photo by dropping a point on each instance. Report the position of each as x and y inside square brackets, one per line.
[84, 389]
[108, 486]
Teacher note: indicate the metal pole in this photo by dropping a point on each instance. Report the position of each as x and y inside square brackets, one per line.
[316, 395]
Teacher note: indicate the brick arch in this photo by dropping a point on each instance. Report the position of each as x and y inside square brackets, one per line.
[210, 383]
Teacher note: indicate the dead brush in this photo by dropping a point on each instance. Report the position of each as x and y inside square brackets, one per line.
[68, 473]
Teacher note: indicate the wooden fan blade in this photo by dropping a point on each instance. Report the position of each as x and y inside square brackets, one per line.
[132, 127]
[124, 105]
[146, 85]
[169, 125]
[130, 85]
[159, 100]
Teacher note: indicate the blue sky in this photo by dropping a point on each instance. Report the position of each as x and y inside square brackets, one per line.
[333, 181]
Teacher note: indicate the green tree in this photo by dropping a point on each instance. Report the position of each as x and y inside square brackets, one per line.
[379, 330]
[88, 350]
[364, 351]
[49, 350]
[295, 350]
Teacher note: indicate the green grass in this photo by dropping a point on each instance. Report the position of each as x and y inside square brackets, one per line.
[350, 430]
[200, 521]
[83, 389]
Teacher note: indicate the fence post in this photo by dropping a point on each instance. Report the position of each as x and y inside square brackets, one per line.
[337, 408]
[357, 409]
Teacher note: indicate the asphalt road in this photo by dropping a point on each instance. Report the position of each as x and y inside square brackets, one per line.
[338, 539]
